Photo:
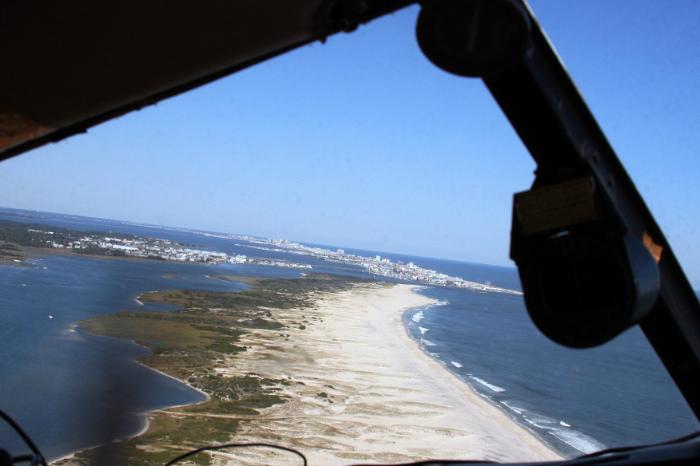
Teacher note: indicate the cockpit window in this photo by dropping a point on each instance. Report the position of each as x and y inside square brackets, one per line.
[313, 253]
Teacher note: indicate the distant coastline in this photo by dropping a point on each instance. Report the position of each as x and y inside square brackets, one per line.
[14, 235]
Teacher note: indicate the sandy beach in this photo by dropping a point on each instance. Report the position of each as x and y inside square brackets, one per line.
[368, 393]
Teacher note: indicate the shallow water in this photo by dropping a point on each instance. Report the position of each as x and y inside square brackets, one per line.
[58, 381]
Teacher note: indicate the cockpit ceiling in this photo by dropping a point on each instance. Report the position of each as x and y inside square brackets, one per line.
[69, 65]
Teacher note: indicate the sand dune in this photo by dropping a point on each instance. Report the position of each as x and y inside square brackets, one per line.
[362, 391]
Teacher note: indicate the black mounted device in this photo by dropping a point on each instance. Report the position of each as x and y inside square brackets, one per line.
[592, 260]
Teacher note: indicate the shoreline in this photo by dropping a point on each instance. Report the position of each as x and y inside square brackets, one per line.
[71, 455]
[371, 393]
[458, 380]
[362, 389]
[146, 414]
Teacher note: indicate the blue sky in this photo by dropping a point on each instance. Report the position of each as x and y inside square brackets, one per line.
[360, 142]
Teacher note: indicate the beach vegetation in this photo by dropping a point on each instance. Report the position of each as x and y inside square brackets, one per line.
[197, 342]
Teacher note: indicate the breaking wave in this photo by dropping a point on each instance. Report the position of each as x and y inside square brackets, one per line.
[491, 387]
[559, 429]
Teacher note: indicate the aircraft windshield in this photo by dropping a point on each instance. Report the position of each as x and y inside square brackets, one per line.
[296, 255]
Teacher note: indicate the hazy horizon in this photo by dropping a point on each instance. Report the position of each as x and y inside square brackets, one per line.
[243, 233]
[373, 147]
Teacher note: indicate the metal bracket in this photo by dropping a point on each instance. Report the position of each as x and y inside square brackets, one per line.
[551, 118]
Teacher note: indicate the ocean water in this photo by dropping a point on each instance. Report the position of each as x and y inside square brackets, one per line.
[60, 382]
[578, 401]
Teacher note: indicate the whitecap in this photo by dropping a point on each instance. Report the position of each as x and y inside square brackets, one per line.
[513, 408]
[456, 364]
[417, 317]
[427, 342]
[541, 422]
[492, 387]
[578, 440]
[423, 330]
[575, 439]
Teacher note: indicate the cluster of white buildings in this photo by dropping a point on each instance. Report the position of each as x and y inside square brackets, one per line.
[378, 265]
[173, 251]
[162, 249]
